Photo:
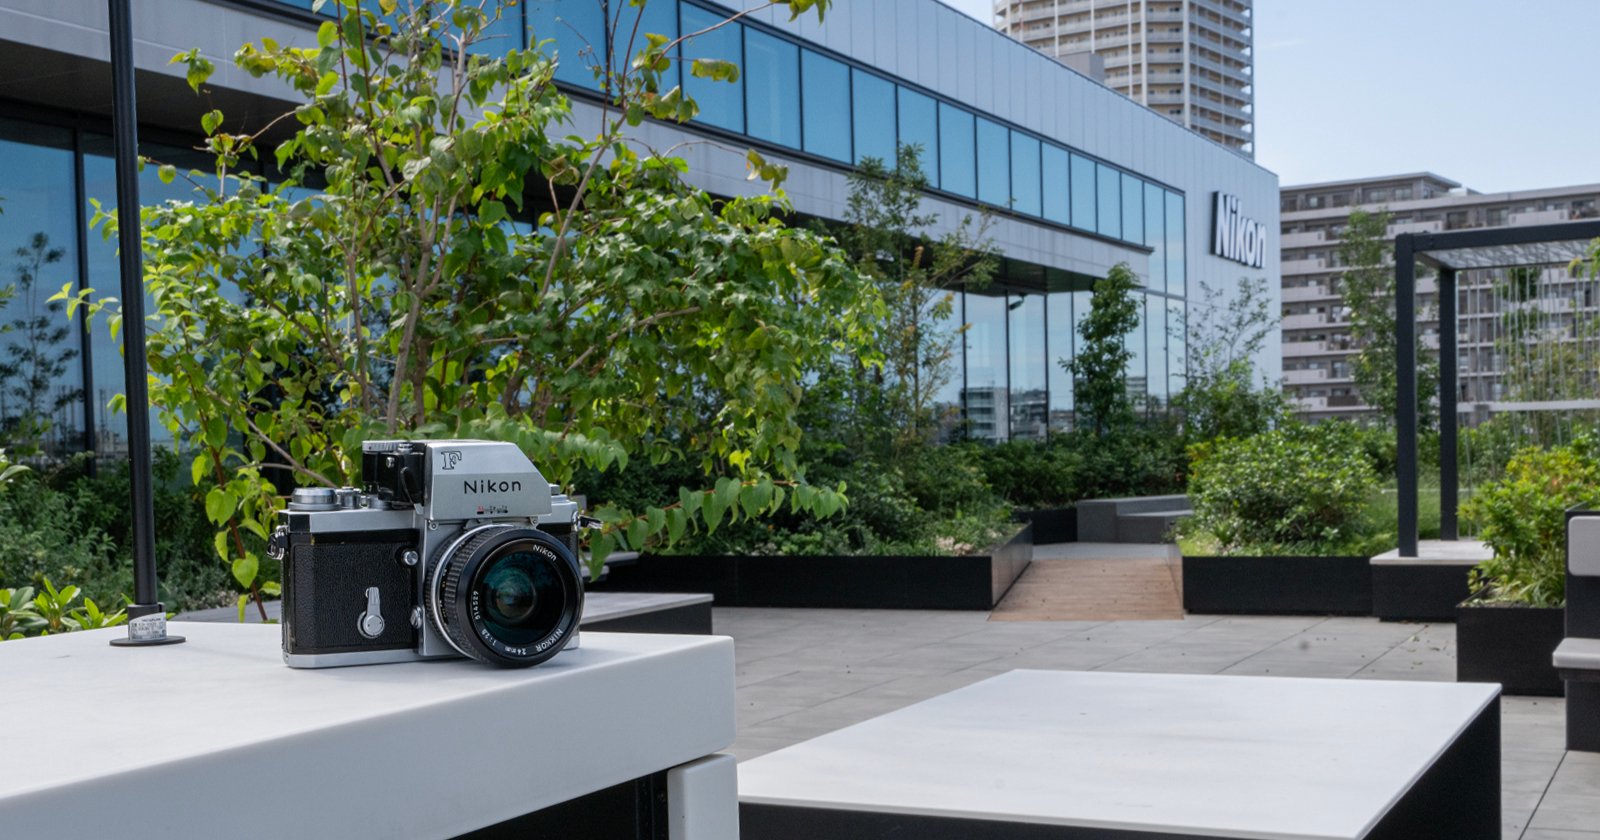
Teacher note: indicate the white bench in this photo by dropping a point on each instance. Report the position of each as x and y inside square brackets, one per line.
[1578, 659]
[1064, 754]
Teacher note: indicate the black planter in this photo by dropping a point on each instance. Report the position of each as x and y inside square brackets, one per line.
[970, 582]
[1277, 585]
[1509, 644]
[1418, 591]
[1052, 525]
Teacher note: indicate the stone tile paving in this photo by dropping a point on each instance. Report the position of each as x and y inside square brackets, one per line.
[802, 673]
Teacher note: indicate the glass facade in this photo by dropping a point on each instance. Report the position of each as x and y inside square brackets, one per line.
[1009, 382]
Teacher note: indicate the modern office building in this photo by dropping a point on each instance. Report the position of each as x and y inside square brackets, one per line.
[1192, 61]
[1317, 347]
[1077, 177]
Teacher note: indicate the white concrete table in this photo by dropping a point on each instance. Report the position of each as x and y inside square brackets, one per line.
[1064, 754]
[217, 737]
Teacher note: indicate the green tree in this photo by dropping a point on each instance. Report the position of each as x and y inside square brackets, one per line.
[1100, 370]
[1224, 394]
[467, 269]
[1366, 289]
[917, 275]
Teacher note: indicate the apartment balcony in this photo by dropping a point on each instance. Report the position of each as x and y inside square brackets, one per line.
[1207, 124]
[1221, 87]
[1302, 239]
[1221, 108]
[1304, 266]
[1225, 70]
[1164, 99]
[1227, 51]
[1160, 16]
[1305, 377]
[1305, 321]
[1538, 217]
[1163, 36]
[1026, 15]
[1434, 226]
[1302, 294]
[1221, 10]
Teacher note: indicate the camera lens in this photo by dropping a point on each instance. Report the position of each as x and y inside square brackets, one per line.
[507, 595]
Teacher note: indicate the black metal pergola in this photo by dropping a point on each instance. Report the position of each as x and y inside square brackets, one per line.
[1449, 253]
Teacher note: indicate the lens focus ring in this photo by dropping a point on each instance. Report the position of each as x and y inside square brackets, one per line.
[507, 595]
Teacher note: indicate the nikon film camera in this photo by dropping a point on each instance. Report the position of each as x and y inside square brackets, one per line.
[452, 548]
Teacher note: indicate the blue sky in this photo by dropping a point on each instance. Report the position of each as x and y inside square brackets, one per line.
[1497, 94]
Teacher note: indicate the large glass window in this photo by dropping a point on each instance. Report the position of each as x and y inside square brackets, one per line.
[579, 31]
[1132, 208]
[956, 156]
[1156, 375]
[1053, 172]
[1177, 346]
[1024, 174]
[1029, 374]
[994, 163]
[986, 396]
[946, 379]
[1059, 333]
[1109, 188]
[871, 101]
[41, 350]
[1083, 203]
[772, 88]
[919, 126]
[721, 103]
[825, 84]
[1137, 372]
[655, 17]
[1177, 280]
[502, 35]
[1155, 227]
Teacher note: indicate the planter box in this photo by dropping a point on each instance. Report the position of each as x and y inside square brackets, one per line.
[1277, 585]
[1052, 525]
[970, 582]
[1510, 645]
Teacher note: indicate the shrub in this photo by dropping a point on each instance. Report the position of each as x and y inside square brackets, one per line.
[1522, 516]
[1297, 489]
[1137, 460]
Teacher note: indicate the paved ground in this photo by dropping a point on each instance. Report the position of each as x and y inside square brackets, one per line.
[802, 673]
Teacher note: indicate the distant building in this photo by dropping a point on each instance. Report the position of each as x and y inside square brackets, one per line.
[1189, 60]
[1317, 347]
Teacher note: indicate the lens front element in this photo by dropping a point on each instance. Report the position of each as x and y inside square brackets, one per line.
[508, 595]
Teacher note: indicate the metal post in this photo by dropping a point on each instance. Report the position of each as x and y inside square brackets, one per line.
[1449, 391]
[1405, 333]
[147, 619]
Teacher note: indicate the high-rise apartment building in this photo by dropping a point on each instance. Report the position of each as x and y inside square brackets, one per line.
[1317, 347]
[1189, 60]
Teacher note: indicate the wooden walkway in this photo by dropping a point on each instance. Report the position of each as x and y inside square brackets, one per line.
[1097, 582]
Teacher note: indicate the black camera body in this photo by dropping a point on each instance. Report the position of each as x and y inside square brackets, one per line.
[451, 548]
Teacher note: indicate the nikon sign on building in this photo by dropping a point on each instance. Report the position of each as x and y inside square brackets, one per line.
[1235, 236]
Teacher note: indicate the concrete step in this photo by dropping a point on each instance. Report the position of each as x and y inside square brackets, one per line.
[1098, 518]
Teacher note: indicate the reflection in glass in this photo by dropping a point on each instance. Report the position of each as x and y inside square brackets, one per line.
[1029, 376]
[947, 378]
[721, 103]
[1132, 208]
[655, 17]
[919, 126]
[1156, 329]
[1155, 226]
[872, 100]
[825, 87]
[994, 164]
[1177, 280]
[579, 31]
[956, 157]
[985, 397]
[1053, 176]
[1024, 174]
[41, 365]
[772, 81]
[1109, 189]
[1135, 343]
[1083, 203]
[1060, 337]
[1177, 346]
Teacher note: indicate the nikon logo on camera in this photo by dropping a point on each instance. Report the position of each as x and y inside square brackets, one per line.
[489, 485]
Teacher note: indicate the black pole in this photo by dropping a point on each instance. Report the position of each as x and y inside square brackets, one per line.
[1449, 392]
[147, 619]
[1405, 334]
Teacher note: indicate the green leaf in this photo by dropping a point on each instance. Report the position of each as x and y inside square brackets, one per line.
[638, 532]
[216, 432]
[727, 493]
[326, 83]
[199, 468]
[327, 34]
[167, 172]
[491, 211]
[677, 521]
[210, 121]
[599, 549]
[219, 541]
[388, 6]
[220, 505]
[244, 569]
[244, 601]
